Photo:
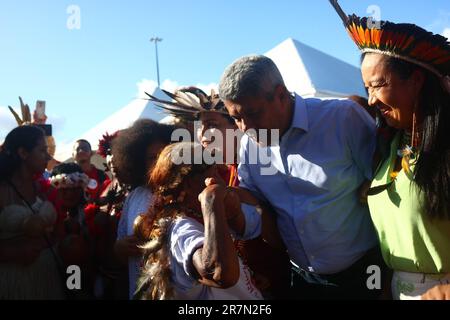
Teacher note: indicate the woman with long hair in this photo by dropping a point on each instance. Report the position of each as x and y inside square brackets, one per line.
[188, 249]
[29, 266]
[406, 71]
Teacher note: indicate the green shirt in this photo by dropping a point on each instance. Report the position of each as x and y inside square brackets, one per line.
[410, 241]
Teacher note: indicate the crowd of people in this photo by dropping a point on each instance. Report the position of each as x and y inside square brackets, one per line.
[351, 184]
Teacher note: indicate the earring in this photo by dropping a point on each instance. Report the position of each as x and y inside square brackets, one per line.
[409, 152]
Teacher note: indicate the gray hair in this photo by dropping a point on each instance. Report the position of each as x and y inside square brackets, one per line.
[250, 76]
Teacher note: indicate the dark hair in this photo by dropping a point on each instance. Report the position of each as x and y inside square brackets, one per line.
[66, 168]
[26, 137]
[229, 119]
[130, 149]
[432, 171]
[84, 141]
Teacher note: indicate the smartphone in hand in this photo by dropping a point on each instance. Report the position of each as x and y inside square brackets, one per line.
[40, 109]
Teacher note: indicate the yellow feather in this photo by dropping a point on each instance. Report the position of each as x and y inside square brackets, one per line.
[16, 116]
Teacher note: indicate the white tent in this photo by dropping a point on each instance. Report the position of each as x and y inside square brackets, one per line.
[307, 71]
[313, 73]
[135, 110]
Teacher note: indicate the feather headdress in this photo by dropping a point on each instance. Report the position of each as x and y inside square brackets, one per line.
[188, 103]
[105, 144]
[400, 40]
[26, 114]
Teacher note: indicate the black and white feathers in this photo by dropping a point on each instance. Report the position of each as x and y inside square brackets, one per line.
[188, 103]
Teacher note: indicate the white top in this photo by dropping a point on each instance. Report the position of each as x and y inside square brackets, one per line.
[39, 280]
[136, 203]
[186, 236]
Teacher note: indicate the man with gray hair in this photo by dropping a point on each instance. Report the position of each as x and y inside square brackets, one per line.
[324, 156]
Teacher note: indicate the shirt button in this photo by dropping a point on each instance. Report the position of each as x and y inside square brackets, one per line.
[302, 232]
[312, 257]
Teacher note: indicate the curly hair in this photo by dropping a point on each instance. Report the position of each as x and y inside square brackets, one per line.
[130, 149]
[167, 179]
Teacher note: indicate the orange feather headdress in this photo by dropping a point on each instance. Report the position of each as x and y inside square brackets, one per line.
[400, 40]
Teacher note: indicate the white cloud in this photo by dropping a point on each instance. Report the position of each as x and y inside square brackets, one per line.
[149, 86]
[7, 122]
[58, 123]
[145, 86]
[446, 33]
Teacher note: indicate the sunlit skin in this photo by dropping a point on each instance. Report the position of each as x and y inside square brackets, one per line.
[263, 113]
[216, 121]
[440, 292]
[395, 97]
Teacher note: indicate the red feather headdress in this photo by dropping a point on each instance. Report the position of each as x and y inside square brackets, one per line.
[104, 145]
[400, 40]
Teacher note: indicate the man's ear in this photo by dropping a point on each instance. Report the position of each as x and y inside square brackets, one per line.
[23, 154]
[281, 92]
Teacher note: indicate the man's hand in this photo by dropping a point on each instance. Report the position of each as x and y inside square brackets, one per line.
[440, 292]
[127, 247]
[39, 120]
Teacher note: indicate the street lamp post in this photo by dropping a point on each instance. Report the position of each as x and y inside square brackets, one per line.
[156, 40]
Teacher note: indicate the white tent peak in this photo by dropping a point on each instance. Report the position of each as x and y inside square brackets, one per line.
[313, 73]
[138, 108]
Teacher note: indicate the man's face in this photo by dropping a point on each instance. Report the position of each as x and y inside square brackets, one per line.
[82, 153]
[255, 113]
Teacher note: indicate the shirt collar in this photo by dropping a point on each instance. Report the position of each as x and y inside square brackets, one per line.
[300, 119]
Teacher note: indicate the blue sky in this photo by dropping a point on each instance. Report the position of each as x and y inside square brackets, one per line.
[87, 74]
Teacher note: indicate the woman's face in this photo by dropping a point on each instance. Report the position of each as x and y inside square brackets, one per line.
[213, 124]
[393, 96]
[196, 184]
[37, 159]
